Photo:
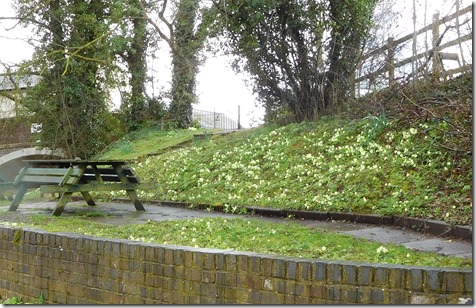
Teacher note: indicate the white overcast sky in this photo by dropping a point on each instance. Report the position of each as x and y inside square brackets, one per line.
[219, 88]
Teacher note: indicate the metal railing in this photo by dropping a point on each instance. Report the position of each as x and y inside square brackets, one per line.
[215, 120]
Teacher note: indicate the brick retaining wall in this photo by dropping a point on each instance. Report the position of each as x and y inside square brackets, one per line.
[74, 269]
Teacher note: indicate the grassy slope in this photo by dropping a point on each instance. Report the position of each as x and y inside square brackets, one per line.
[367, 166]
[148, 142]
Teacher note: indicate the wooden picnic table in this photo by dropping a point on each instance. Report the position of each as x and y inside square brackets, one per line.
[70, 176]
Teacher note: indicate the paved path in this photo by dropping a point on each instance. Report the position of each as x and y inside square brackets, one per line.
[120, 213]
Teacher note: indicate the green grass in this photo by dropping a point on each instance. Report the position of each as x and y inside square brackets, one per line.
[287, 238]
[369, 166]
[148, 141]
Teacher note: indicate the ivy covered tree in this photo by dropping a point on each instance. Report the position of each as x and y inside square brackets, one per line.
[131, 45]
[72, 59]
[134, 53]
[86, 49]
[185, 64]
[350, 24]
[185, 33]
[301, 54]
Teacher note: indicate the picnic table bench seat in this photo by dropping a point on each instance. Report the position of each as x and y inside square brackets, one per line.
[68, 177]
[107, 174]
[36, 177]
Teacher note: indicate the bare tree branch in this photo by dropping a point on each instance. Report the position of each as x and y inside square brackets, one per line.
[23, 19]
[170, 38]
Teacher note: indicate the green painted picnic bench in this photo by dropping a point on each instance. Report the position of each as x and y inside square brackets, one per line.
[71, 176]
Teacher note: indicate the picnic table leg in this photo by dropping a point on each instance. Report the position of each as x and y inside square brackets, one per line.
[137, 204]
[88, 198]
[18, 197]
[132, 193]
[86, 195]
[61, 203]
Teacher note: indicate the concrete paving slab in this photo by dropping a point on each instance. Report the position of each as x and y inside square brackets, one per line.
[468, 255]
[386, 234]
[118, 213]
[333, 225]
[441, 246]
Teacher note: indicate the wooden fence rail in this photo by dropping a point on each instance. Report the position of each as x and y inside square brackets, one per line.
[435, 55]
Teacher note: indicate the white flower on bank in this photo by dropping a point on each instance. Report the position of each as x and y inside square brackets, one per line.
[382, 249]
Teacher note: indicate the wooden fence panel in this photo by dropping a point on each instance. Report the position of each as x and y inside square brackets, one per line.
[435, 55]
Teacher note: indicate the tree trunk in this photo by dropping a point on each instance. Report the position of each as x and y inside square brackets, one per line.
[184, 63]
[136, 61]
[347, 40]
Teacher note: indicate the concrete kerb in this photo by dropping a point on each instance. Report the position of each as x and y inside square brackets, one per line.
[433, 227]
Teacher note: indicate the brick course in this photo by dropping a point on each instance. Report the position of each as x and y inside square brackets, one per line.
[74, 269]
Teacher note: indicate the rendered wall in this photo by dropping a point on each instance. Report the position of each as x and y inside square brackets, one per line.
[74, 269]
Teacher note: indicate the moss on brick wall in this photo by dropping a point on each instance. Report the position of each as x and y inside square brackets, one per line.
[74, 269]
